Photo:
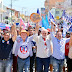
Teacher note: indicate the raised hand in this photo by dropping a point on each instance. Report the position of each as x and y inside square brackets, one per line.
[52, 23]
[37, 28]
[14, 26]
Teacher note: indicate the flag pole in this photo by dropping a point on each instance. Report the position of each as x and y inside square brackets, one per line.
[11, 11]
[48, 8]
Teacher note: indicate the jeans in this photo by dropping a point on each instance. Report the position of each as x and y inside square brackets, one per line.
[58, 64]
[14, 63]
[51, 60]
[69, 65]
[5, 66]
[32, 62]
[66, 57]
[23, 63]
[40, 62]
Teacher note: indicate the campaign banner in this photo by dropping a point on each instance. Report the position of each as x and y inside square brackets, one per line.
[22, 23]
[4, 26]
[43, 12]
[35, 17]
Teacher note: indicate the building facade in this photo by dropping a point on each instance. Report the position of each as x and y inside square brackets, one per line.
[51, 3]
[68, 7]
[7, 15]
[57, 13]
[2, 10]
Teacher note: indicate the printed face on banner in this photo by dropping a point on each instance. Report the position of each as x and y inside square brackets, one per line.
[23, 49]
[35, 17]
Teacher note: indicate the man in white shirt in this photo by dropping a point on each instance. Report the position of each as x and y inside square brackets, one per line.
[43, 53]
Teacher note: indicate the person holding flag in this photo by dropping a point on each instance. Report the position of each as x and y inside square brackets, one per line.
[58, 55]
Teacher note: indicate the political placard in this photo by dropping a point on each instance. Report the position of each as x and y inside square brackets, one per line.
[35, 17]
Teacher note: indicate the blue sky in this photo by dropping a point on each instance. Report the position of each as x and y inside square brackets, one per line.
[29, 6]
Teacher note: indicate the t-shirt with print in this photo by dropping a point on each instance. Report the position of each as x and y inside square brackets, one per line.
[23, 51]
[6, 48]
[66, 49]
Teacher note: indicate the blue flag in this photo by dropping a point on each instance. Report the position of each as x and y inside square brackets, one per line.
[64, 13]
[70, 29]
[51, 17]
[46, 18]
[44, 23]
[64, 16]
[38, 11]
[64, 28]
[71, 19]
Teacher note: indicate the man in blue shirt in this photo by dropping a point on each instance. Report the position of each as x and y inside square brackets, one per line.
[58, 50]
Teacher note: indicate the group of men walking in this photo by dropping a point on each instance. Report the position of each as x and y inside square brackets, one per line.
[28, 48]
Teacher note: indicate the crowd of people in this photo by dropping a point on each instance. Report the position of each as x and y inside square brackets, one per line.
[35, 48]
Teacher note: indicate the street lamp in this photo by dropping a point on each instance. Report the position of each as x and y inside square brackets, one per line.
[11, 10]
[23, 9]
